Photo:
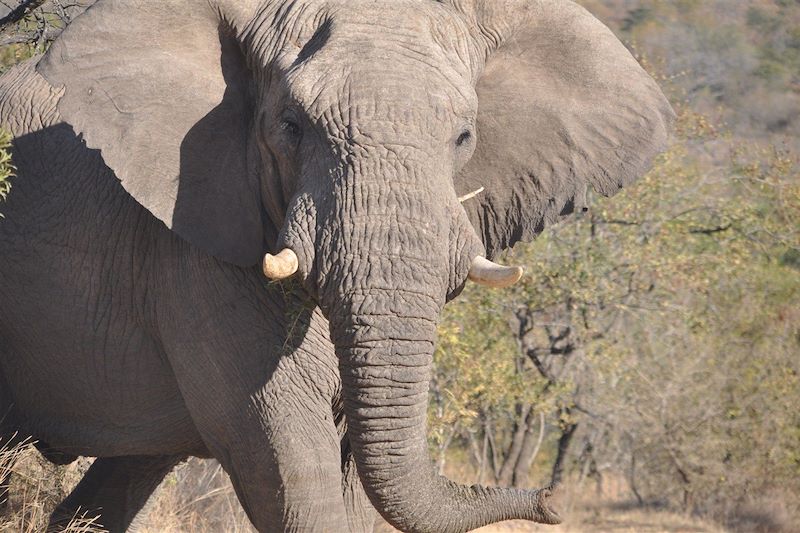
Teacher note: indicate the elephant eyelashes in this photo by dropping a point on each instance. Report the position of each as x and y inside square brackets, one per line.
[290, 129]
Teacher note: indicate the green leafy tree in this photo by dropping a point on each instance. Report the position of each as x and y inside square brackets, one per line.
[658, 335]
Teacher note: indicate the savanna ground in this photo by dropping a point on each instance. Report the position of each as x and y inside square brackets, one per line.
[650, 358]
[197, 497]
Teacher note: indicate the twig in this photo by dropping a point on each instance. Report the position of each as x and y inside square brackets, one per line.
[709, 231]
[19, 12]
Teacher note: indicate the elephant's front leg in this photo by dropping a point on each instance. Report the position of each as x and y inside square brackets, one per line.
[307, 472]
[262, 403]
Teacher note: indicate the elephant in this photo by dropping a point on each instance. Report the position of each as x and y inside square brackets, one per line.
[235, 225]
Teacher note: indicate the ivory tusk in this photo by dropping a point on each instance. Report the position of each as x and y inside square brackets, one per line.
[473, 194]
[489, 274]
[281, 266]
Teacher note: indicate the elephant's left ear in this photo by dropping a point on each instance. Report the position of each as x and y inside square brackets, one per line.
[163, 90]
[562, 106]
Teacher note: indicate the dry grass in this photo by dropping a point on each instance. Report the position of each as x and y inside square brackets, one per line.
[197, 497]
[36, 488]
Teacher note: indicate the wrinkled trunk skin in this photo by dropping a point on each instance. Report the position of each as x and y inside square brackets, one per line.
[383, 303]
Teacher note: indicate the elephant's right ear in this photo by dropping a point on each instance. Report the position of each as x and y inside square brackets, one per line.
[163, 90]
[562, 107]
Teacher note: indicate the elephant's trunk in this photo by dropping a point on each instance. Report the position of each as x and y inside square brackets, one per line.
[383, 296]
[385, 363]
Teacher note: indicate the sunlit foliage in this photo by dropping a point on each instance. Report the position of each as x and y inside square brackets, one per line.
[661, 328]
[6, 168]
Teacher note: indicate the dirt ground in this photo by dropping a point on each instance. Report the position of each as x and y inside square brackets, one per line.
[613, 522]
[198, 498]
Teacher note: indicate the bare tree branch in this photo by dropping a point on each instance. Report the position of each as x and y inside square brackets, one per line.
[20, 12]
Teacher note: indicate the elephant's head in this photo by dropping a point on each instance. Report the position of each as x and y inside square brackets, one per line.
[345, 132]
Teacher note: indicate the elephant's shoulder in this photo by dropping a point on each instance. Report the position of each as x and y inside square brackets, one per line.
[28, 102]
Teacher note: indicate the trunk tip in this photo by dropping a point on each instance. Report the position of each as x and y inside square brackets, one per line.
[543, 511]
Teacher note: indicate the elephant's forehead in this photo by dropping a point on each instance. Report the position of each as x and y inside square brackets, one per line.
[425, 32]
[377, 89]
[413, 16]
[366, 66]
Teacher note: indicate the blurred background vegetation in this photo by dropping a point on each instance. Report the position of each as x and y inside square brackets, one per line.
[650, 358]
[655, 341]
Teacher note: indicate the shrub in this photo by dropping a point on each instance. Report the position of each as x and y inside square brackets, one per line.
[6, 168]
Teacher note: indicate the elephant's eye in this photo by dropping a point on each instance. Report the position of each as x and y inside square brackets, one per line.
[290, 128]
[463, 138]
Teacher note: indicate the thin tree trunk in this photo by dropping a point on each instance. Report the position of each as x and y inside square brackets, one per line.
[688, 501]
[632, 481]
[494, 452]
[443, 447]
[530, 448]
[476, 453]
[484, 458]
[506, 477]
[563, 447]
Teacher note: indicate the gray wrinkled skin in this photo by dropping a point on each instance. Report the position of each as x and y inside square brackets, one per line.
[163, 147]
